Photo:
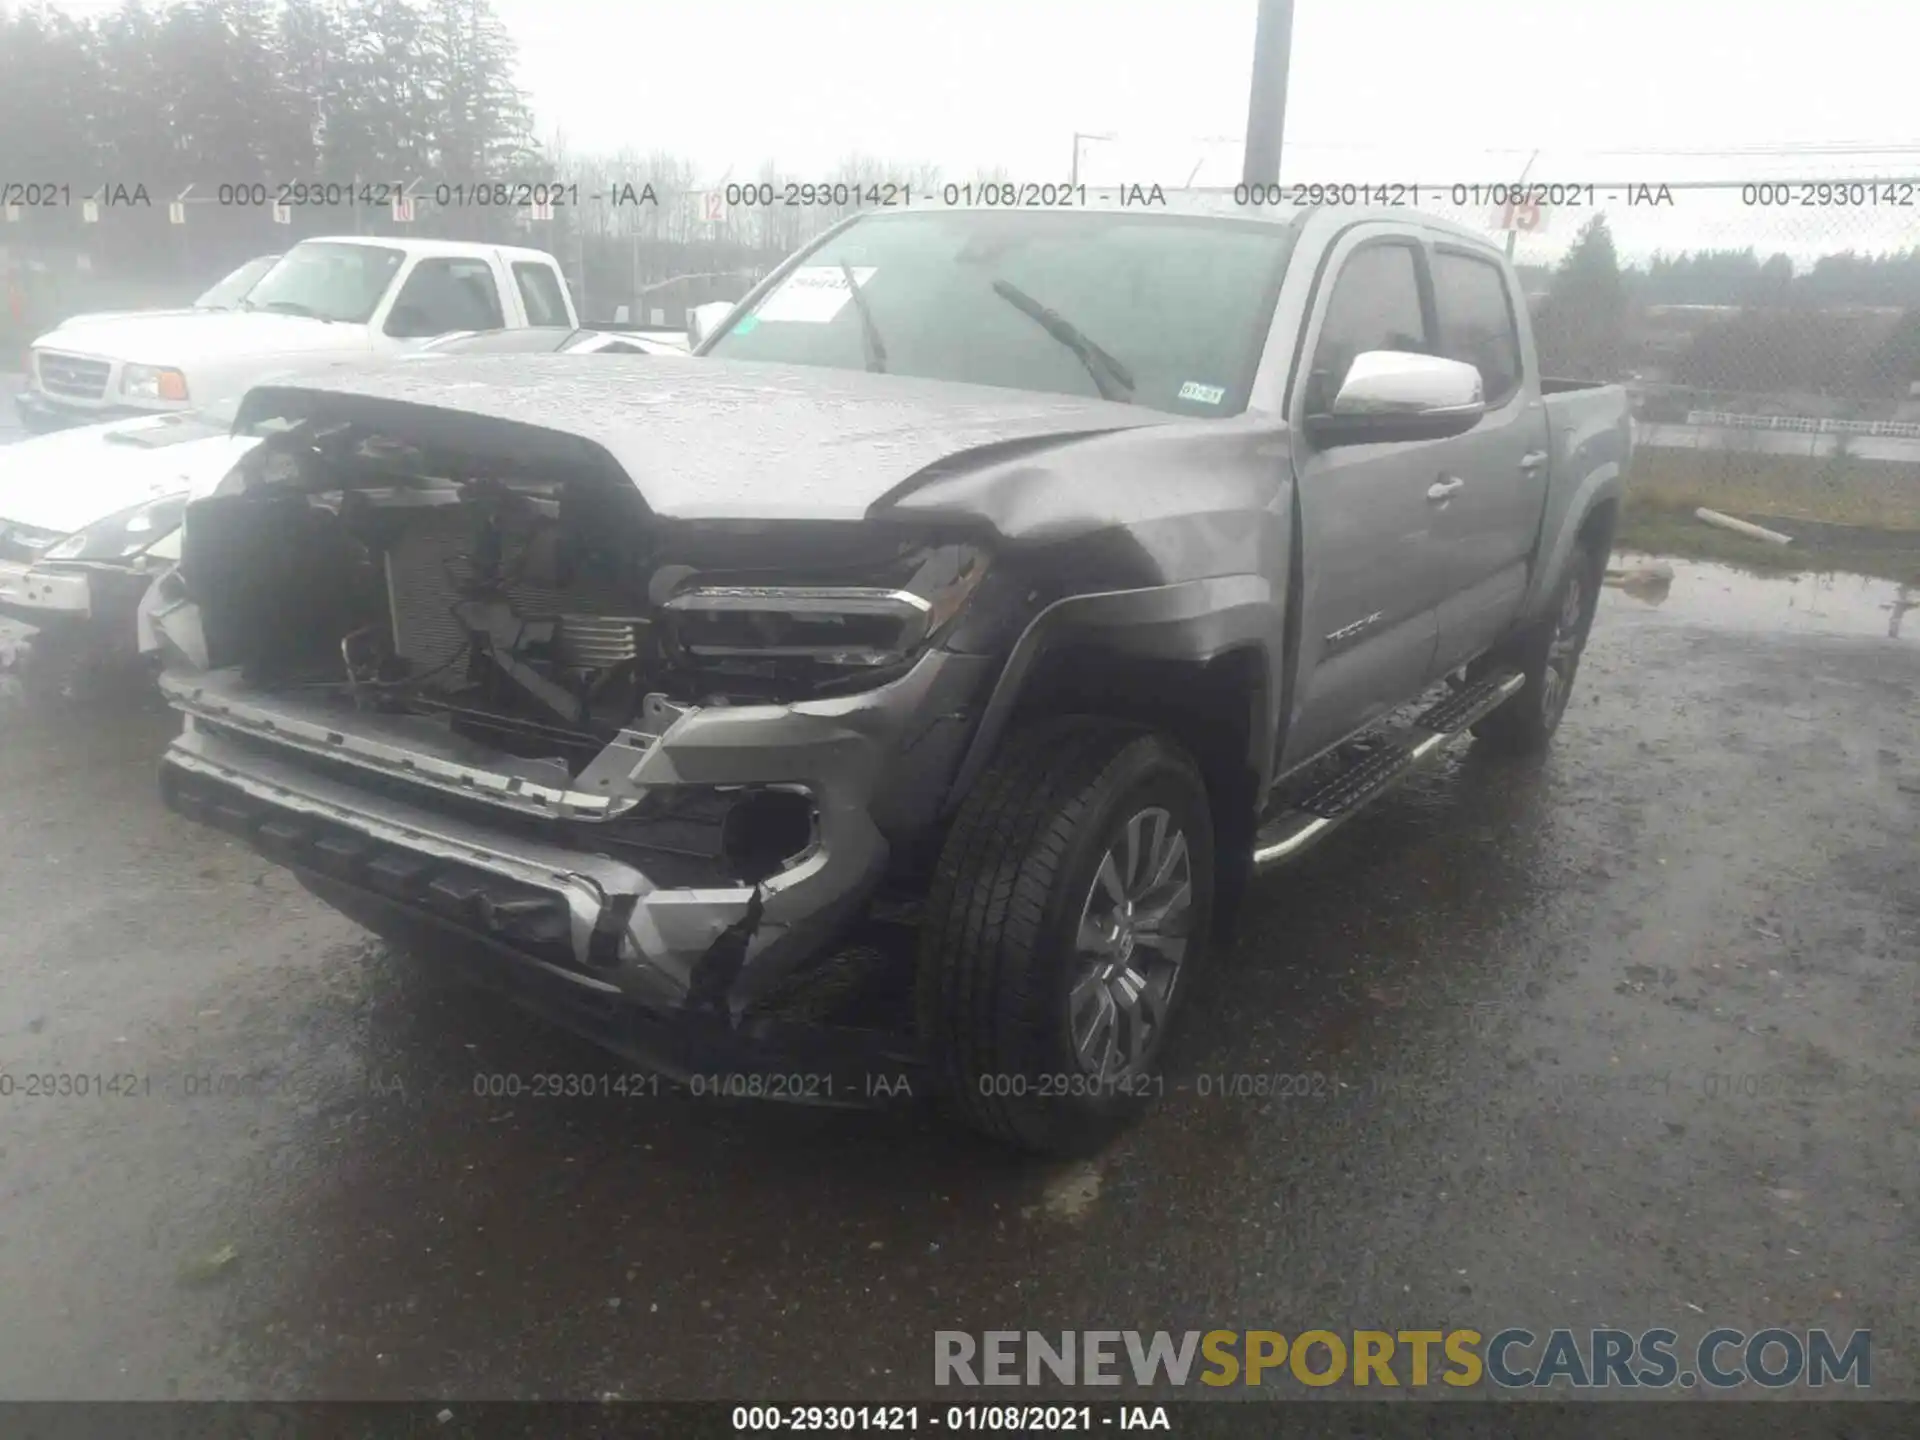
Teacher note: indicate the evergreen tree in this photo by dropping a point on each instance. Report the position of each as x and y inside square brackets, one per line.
[1583, 320]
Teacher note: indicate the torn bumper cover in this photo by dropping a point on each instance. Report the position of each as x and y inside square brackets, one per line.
[560, 898]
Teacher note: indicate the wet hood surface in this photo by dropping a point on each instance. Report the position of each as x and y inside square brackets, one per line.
[733, 439]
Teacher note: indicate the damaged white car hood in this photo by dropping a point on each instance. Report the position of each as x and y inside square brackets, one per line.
[70, 479]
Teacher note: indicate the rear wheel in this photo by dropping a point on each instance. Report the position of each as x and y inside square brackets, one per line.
[1548, 653]
[1070, 906]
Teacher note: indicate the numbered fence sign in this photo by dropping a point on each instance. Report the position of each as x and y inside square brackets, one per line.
[403, 209]
[283, 214]
[713, 207]
[176, 213]
[1526, 217]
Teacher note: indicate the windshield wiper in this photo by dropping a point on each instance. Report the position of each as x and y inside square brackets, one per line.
[869, 332]
[1113, 380]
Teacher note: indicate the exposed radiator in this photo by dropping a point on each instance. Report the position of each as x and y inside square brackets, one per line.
[427, 568]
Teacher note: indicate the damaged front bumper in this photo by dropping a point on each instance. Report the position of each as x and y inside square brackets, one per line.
[556, 894]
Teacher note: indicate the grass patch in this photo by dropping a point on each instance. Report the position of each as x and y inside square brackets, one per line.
[1658, 528]
[1843, 514]
[1864, 494]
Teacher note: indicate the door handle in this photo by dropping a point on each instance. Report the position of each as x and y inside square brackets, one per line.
[1533, 460]
[1445, 489]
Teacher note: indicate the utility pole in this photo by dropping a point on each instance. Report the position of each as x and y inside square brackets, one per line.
[1513, 214]
[1267, 104]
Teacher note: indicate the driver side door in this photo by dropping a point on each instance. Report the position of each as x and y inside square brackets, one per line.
[1371, 579]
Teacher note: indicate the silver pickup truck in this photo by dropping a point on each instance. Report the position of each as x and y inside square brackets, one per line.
[897, 695]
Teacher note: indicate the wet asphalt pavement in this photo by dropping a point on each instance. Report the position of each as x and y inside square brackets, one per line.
[1630, 1037]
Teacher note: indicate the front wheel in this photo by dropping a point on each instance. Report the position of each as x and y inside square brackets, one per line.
[1069, 909]
[1548, 653]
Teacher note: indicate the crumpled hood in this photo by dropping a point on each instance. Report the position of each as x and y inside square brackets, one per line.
[67, 480]
[717, 439]
[161, 338]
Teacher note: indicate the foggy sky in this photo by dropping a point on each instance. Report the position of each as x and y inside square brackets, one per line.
[1388, 90]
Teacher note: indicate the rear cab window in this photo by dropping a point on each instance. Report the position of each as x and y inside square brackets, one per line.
[542, 293]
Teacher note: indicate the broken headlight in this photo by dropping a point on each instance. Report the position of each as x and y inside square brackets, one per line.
[125, 535]
[844, 626]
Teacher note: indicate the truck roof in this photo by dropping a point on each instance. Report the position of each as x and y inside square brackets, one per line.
[1220, 203]
[415, 245]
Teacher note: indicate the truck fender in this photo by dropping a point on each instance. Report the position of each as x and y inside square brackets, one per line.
[1561, 530]
[1193, 625]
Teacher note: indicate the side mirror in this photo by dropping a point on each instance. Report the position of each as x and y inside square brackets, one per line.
[703, 320]
[1390, 395]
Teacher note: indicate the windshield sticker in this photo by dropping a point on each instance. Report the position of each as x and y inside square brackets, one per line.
[812, 295]
[747, 325]
[1205, 394]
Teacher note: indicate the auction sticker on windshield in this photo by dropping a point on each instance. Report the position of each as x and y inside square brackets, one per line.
[813, 294]
[1205, 394]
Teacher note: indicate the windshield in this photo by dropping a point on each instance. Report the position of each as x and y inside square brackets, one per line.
[1163, 311]
[226, 293]
[327, 280]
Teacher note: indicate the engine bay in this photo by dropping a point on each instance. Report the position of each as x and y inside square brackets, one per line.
[533, 616]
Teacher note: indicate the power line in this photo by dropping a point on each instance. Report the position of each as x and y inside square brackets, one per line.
[1794, 149]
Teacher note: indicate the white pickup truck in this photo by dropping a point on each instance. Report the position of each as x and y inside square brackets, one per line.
[345, 295]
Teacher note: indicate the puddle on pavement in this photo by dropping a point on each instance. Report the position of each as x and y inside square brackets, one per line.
[1720, 595]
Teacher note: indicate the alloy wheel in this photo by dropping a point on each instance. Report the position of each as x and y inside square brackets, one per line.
[1131, 943]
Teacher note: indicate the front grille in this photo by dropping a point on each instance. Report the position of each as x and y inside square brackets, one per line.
[24, 544]
[72, 375]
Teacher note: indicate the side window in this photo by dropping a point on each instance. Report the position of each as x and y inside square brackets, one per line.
[1375, 305]
[540, 292]
[1476, 321]
[443, 295]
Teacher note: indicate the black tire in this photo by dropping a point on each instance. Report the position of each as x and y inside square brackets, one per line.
[1548, 653]
[999, 955]
[61, 666]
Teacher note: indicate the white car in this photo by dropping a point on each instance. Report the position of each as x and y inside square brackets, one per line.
[89, 516]
[346, 297]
